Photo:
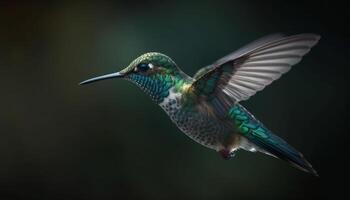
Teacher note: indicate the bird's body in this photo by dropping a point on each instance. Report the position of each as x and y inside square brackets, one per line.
[206, 107]
[208, 130]
[201, 127]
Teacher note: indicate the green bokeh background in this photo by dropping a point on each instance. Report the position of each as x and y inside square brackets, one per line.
[59, 140]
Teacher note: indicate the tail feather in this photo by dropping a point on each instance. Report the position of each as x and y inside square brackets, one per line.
[281, 149]
[267, 142]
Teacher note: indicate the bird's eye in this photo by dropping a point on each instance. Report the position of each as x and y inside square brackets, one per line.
[144, 67]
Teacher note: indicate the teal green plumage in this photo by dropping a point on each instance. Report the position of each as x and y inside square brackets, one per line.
[206, 107]
[157, 88]
[259, 135]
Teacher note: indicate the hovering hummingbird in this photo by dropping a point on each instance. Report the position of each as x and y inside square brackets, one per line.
[206, 107]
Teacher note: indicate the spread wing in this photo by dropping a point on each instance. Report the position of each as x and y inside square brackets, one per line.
[241, 74]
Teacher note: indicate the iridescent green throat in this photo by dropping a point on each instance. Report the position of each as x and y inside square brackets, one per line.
[153, 87]
[158, 86]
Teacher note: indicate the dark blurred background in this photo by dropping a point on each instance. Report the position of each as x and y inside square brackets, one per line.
[59, 140]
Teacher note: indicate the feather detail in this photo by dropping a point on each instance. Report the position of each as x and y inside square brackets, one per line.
[265, 141]
[241, 74]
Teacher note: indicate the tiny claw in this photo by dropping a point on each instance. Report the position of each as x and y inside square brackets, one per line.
[227, 154]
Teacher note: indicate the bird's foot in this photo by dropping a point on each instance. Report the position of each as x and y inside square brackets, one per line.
[227, 154]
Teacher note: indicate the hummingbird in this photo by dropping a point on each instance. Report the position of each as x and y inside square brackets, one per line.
[206, 107]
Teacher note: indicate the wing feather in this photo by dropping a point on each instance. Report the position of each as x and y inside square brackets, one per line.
[241, 74]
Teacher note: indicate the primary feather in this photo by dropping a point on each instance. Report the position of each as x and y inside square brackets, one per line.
[241, 74]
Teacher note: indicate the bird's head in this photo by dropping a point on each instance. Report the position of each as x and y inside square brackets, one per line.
[153, 72]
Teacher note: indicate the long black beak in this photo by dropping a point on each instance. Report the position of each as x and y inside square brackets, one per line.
[103, 77]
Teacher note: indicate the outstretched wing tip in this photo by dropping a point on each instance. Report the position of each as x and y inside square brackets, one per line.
[311, 36]
[239, 75]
